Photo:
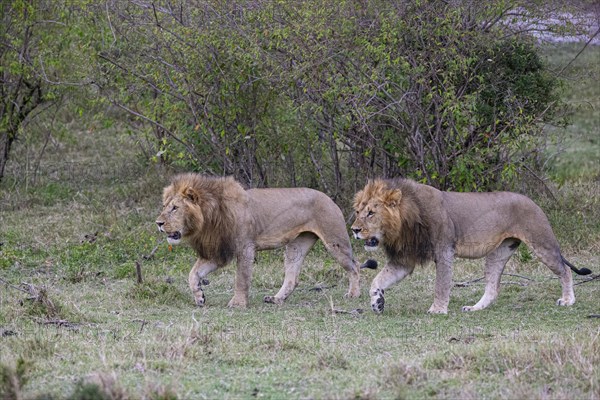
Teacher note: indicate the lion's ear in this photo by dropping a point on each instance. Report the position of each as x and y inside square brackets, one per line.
[392, 198]
[191, 194]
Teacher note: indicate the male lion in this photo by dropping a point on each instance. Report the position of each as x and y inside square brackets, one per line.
[418, 223]
[222, 221]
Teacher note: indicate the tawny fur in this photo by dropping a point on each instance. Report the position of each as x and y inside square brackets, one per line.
[222, 221]
[416, 223]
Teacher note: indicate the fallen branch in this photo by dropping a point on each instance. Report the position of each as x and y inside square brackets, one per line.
[593, 278]
[354, 312]
[467, 283]
[519, 276]
[14, 287]
[143, 322]
[151, 255]
[63, 323]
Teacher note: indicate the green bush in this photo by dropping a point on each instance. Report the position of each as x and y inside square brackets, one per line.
[322, 94]
[325, 93]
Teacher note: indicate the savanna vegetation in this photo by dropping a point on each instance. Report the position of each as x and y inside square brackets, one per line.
[102, 101]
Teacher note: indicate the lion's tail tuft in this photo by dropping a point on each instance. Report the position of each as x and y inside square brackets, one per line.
[371, 264]
[580, 271]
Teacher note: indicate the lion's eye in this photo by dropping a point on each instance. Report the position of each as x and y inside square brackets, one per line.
[174, 209]
[370, 214]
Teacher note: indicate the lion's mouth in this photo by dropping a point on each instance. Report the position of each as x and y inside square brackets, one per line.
[371, 243]
[174, 238]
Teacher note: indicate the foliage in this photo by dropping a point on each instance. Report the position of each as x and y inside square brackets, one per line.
[321, 94]
[42, 43]
[327, 93]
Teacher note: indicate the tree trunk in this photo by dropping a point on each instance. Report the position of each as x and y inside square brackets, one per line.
[6, 141]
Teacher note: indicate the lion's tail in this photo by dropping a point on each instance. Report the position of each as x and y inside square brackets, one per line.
[581, 271]
[371, 264]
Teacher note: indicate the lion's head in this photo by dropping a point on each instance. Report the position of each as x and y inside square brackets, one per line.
[388, 213]
[197, 209]
[180, 214]
[374, 205]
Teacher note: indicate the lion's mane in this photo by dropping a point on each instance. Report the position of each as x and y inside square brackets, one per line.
[405, 221]
[210, 217]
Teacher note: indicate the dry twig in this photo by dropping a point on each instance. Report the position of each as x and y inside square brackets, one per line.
[592, 278]
[468, 283]
[13, 286]
[151, 255]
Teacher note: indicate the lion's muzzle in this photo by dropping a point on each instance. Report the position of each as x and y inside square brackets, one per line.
[371, 244]
[174, 238]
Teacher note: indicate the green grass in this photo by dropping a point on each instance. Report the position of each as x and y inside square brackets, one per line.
[577, 154]
[75, 324]
[153, 334]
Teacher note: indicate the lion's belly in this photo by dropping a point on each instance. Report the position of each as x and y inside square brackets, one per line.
[474, 250]
[277, 239]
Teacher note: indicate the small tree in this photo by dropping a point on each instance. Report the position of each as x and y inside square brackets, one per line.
[21, 90]
[43, 44]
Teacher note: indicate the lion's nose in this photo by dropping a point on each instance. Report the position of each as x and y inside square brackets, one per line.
[356, 230]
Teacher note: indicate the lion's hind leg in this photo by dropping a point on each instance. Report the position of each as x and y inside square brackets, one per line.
[550, 255]
[341, 250]
[546, 248]
[494, 266]
[295, 252]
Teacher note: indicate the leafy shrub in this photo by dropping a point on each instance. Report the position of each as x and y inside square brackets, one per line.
[322, 94]
[325, 94]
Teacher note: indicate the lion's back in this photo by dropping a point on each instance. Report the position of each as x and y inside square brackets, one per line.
[485, 216]
[310, 203]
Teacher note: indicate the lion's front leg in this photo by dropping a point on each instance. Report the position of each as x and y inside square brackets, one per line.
[443, 282]
[388, 276]
[243, 277]
[196, 279]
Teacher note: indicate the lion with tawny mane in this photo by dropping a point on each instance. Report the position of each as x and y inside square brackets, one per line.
[417, 223]
[222, 221]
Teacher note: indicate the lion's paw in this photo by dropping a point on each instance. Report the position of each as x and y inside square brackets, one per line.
[352, 294]
[237, 303]
[563, 302]
[200, 300]
[273, 300]
[378, 301]
[467, 308]
[437, 310]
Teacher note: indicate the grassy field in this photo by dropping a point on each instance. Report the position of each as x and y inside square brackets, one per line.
[578, 150]
[75, 324]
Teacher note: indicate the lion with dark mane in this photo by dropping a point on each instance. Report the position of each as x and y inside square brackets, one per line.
[222, 221]
[417, 223]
